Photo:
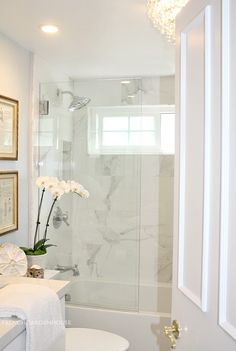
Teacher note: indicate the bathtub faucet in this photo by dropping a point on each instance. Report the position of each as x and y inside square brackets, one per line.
[62, 269]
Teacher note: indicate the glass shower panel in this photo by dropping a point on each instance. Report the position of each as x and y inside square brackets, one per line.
[106, 227]
[102, 237]
[55, 159]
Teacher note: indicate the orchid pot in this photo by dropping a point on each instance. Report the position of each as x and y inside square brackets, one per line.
[39, 260]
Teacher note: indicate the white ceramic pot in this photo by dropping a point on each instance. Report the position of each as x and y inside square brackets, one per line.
[39, 260]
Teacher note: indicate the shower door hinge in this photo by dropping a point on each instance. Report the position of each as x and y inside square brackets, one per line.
[44, 107]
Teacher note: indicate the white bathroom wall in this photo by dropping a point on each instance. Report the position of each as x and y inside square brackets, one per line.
[15, 82]
[20, 75]
[167, 90]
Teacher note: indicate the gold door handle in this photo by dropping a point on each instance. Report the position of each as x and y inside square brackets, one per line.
[172, 333]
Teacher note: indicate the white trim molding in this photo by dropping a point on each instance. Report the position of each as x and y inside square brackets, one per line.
[226, 192]
[201, 299]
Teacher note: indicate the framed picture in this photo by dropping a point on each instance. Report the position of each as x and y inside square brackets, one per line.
[9, 110]
[8, 201]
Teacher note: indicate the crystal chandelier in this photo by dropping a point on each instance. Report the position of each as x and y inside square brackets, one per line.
[163, 13]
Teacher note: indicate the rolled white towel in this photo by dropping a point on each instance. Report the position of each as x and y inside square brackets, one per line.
[39, 307]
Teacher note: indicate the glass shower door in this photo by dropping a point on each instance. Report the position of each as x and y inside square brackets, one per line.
[106, 228]
[102, 235]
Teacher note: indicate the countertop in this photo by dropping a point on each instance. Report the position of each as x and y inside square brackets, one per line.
[10, 328]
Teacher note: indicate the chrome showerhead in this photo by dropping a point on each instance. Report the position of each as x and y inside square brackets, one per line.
[77, 101]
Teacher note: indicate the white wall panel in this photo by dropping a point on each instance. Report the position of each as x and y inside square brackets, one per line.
[195, 158]
[227, 312]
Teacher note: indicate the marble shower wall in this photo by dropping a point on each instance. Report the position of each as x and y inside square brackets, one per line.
[123, 233]
[157, 180]
[106, 227]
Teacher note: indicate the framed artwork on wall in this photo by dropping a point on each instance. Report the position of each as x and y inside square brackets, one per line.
[9, 114]
[8, 201]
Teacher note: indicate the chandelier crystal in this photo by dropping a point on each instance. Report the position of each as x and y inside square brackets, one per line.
[163, 13]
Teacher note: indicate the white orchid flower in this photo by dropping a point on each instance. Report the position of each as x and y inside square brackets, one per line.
[84, 193]
[51, 184]
[57, 192]
[58, 188]
[65, 186]
[74, 186]
[46, 182]
[42, 181]
[78, 188]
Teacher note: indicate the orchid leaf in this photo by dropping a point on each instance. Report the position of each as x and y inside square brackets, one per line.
[48, 245]
[40, 244]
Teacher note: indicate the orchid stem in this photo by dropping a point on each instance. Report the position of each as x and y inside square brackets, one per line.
[49, 215]
[38, 218]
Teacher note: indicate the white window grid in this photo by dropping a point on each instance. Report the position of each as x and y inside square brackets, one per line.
[96, 128]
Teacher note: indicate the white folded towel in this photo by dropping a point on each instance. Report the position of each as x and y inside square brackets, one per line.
[40, 308]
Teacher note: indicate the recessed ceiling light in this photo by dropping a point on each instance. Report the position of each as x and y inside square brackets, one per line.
[49, 28]
[125, 82]
[131, 96]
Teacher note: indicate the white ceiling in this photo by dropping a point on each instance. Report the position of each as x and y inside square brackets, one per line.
[97, 38]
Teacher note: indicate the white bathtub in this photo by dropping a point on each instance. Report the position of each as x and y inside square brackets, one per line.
[143, 329]
[120, 296]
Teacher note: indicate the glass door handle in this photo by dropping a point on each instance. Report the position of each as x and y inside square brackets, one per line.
[172, 333]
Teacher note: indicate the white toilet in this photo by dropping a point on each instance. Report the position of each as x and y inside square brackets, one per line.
[84, 339]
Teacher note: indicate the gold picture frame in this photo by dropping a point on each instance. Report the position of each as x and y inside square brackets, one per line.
[8, 201]
[9, 115]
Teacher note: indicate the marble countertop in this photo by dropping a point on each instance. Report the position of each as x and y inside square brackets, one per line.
[59, 286]
[10, 328]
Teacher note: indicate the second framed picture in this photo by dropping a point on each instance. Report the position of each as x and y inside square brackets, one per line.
[9, 114]
[8, 201]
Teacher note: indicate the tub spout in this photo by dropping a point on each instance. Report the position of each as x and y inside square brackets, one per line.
[63, 269]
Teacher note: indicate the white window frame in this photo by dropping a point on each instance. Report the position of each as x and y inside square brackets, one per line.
[95, 128]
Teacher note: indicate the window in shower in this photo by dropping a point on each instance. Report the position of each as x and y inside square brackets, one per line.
[122, 130]
[129, 130]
